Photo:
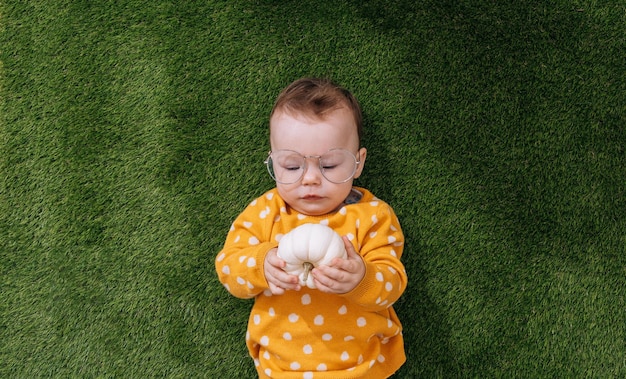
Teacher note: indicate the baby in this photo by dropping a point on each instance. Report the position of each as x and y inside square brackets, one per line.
[346, 327]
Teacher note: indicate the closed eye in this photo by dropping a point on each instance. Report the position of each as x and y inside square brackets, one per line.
[292, 168]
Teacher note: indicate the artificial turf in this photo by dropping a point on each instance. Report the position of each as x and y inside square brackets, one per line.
[133, 132]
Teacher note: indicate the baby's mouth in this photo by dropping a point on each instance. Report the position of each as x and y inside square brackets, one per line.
[311, 197]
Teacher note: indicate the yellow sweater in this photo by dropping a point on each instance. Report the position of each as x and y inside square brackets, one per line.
[308, 333]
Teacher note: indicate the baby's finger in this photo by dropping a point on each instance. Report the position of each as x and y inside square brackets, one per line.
[278, 285]
[349, 248]
[274, 260]
[329, 284]
[286, 281]
[276, 290]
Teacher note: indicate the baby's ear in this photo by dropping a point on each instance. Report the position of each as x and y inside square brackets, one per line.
[361, 158]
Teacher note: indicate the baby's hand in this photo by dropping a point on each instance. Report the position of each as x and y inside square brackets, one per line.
[277, 279]
[342, 275]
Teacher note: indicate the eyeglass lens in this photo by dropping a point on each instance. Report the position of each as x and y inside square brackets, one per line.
[288, 167]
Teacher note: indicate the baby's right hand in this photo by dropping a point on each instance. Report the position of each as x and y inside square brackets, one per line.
[277, 279]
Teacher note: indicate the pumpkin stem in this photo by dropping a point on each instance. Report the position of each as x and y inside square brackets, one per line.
[308, 266]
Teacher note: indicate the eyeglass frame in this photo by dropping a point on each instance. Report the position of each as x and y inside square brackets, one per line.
[357, 162]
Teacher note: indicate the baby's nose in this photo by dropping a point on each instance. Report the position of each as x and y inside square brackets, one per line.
[312, 174]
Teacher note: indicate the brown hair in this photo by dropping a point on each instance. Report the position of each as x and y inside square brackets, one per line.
[317, 97]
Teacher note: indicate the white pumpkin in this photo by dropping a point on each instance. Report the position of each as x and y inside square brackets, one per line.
[308, 246]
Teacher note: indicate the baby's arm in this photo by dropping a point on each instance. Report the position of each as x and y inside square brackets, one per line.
[240, 264]
[385, 278]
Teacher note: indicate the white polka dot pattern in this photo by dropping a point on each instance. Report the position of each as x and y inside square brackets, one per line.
[319, 320]
[308, 331]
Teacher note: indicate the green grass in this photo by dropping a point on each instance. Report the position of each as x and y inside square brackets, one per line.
[133, 132]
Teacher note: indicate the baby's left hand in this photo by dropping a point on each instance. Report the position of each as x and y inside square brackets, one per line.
[342, 275]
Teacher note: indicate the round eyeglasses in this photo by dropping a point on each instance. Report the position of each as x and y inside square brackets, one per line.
[288, 166]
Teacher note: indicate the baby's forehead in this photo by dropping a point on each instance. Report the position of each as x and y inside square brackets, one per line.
[312, 117]
[311, 134]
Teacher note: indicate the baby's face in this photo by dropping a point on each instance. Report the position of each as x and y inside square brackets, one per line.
[313, 194]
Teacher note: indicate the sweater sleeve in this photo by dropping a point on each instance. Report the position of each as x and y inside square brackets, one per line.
[239, 264]
[381, 247]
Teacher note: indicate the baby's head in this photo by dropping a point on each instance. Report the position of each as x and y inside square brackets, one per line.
[316, 98]
[315, 133]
